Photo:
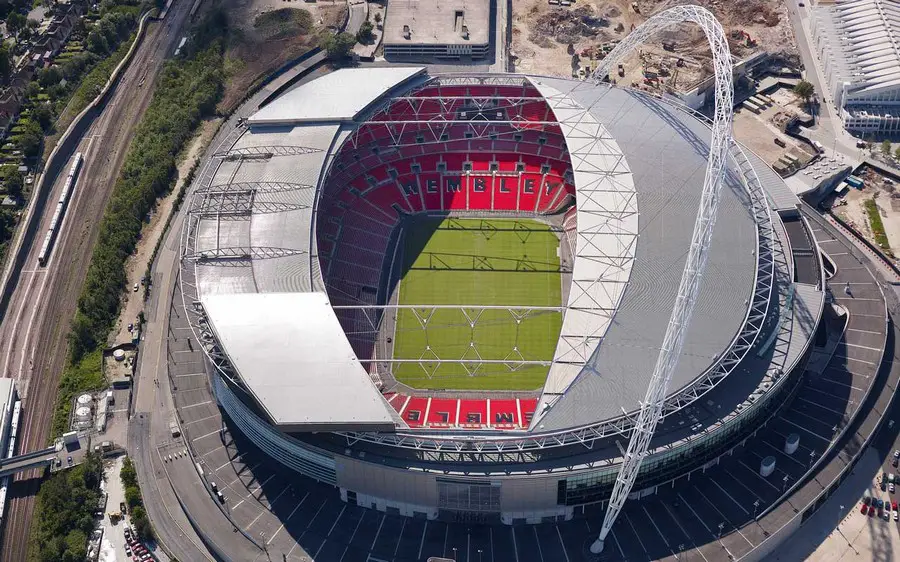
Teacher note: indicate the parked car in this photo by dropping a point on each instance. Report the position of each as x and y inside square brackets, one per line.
[135, 287]
[897, 454]
[894, 463]
[862, 509]
[214, 486]
[897, 516]
[879, 503]
[891, 488]
[871, 511]
[867, 500]
[894, 505]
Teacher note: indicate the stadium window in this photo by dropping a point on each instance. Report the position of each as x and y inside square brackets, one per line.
[493, 136]
[445, 137]
[520, 166]
[372, 181]
[542, 140]
[545, 168]
[393, 173]
[375, 150]
[517, 137]
[415, 168]
[469, 135]
[441, 166]
[420, 139]
[495, 166]
[467, 166]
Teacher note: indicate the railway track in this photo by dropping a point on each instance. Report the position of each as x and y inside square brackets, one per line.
[34, 328]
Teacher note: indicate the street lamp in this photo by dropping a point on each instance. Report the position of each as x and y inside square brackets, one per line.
[454, 554]
[755, 508]
[783, 488]
[721, 526]
[479, 554]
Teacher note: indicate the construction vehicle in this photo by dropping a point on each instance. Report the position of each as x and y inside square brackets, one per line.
[635, 8]
[668, 45]
[621, 70]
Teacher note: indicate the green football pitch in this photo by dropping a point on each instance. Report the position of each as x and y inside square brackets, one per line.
[472, 263]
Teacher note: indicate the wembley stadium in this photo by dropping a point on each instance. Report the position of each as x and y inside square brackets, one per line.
[447, 294]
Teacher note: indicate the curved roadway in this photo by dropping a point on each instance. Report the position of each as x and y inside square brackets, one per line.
[35, 324]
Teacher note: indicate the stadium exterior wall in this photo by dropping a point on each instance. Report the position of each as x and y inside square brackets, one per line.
[416, 491]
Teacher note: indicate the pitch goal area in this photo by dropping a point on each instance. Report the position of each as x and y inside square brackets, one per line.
[467, 264]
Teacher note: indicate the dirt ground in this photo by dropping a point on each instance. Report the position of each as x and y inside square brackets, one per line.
[136, 265]
[887, 198]
[256, 50]
[545, 37]
[758, 132]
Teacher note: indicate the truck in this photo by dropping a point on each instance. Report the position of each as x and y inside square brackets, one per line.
[854, 182]
[818, 146]
[780, 142]
[173, 427]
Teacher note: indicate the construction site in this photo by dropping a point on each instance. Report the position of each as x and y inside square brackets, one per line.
[561, 38]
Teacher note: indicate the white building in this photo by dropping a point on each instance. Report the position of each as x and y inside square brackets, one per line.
[857, 45]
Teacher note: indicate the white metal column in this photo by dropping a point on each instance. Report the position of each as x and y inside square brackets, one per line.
[651, 408]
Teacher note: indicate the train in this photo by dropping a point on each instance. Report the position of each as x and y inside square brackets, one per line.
[10, 451]
[61, 205]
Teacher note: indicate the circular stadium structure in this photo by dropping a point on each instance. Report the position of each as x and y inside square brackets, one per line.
[446, 294]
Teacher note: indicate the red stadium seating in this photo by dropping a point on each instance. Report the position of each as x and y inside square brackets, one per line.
[442, 412]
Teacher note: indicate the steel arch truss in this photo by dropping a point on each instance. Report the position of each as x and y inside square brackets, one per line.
[689, 288]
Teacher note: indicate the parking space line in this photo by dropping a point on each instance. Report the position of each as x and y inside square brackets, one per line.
[683, 530]
[281, 493]
[756, 473]
[255, 519]
[200, 420]
[717, 510]
[878, 349]
[197, 404]
[865, 331]
[561, 542]
[490, 535]
[537, 539]
[346, 548]
[422, 542]
[259, 486]
[400, 536]
[615, 540]
[810, 416]
[821, 406]
[826, 393]
[195, 439]
[854, 359]
[789, 457]
[378, 532]
[700, 519]
[289, 518]
[336, 519]
[190, 375]
[737, 503]
[813, 433]
[660, 533]
[636, 535]
[515, 546]
[447, 533]
[879, 316]
[212, 451]
[358, 523]
[229, 462]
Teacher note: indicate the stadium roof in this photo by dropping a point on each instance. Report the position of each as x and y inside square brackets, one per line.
[338, 96]
[638, 166]
[295, 359]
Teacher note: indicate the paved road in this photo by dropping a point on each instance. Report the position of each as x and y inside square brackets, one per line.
[34, 328]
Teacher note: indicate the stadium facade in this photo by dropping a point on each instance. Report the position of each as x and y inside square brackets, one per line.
[855, 42]
[287, 267]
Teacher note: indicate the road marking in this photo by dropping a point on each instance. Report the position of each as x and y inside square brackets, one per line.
[260, 486]
[212, 451]
[636, 535]
[737, 503]
[515, 546]
[378, 532]
[854, 359]
[190, 375]
[813, 433]
[536, 539]
[197, 404]
[272, 538]
[755, 473]
[286, 488]
[336, 519]
[195, 439]
[358, 523]
[195, 421]
[658, 532]
[687, 535]
[422, 542]
[400, 536]
[821, 406]
[865, 331]
[725, 519]
[843, 383]
[561, 542]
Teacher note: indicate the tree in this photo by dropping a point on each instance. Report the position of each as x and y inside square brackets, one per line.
[897, 153]
[338, 47]
[886, 148]
[12, 181]
[5, 62]
[29, 140]
[804, 90]
[378, 17]
[365, 34]
[15, 22]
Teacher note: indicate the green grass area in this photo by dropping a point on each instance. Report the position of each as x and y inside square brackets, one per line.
[876, 224]
[85, 375]
[475, 262]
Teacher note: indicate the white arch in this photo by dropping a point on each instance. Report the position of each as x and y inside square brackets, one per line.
[689, 288]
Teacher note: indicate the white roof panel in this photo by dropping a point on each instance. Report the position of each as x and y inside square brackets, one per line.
[338, 96]
[295, 359]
